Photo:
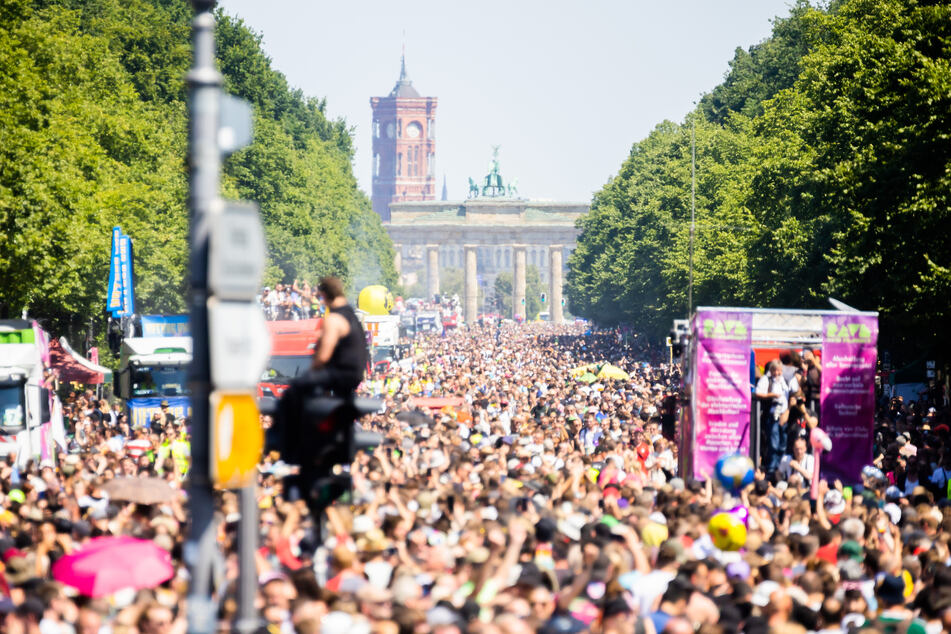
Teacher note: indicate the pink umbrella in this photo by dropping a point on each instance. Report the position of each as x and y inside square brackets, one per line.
[108, 564]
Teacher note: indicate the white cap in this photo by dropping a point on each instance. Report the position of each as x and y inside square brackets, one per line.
[658, 518]
[894, 513]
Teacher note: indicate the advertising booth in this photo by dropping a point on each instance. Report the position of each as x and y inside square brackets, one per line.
[726, 345]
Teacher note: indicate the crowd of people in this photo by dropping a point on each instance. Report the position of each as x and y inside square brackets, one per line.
[297, 300]
[534, 501]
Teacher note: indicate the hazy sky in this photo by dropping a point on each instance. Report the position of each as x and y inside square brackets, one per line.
[565, 87]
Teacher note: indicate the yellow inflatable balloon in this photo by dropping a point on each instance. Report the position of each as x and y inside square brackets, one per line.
[727, 531]
[375, 300]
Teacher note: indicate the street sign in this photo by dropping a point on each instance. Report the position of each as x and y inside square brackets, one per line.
[239, 343]
[236, 252]
[237, 439]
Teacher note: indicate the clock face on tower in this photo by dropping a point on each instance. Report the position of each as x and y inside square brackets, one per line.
[390, 130]
[413, 130]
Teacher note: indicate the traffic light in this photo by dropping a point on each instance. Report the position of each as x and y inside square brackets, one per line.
[322, 435]
[114, 337]
[679, 338]
[544, 297]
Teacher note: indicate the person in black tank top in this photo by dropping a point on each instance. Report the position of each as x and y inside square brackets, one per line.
[348, 360]
[340, 353]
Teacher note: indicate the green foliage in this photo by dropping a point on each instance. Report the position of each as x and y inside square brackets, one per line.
[298, 170]
[633, 255]
[503, 287]
[503, 293]
[533, 292]
[823, 168]
[759, 73]
[93, 126]
[79, 153]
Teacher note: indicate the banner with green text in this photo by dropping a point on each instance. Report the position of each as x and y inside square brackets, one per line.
[722, 390]
[849, 356]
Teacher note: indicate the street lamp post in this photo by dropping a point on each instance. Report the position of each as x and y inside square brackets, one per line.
[693, 212]
[204, 162]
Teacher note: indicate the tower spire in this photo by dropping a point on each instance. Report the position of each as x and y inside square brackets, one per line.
[403, 59]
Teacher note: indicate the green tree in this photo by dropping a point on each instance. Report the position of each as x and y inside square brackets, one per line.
[503, 293]
[758, 73]
[81, 152]
[872, 108]
[93, 125]
[299, 171]
[632, 259]
[452, 282]
[823, 168]
[533, 292]
[503, 287]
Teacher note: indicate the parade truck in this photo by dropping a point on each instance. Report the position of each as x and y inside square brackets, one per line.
[383, 337]
[383, 331]
[428, 321]
[408, 323]
[153, 369]
[450, 320]
[292, 351]
[27, 405]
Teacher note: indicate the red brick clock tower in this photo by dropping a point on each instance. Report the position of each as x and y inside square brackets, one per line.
[404, 146]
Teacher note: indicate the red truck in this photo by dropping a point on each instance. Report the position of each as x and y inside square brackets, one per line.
[292, 347]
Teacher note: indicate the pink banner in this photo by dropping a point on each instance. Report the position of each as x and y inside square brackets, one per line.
[849, 355]
[722, 387]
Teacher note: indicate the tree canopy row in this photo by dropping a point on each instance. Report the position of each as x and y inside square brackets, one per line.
[823, 168]
[93, 133]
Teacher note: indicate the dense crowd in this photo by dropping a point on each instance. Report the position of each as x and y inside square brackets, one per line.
[297, 300]
[535, 501]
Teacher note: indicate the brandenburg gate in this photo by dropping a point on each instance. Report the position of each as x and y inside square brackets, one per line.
[490, 232]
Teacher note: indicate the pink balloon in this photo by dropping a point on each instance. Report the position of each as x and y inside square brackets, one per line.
[741, 513]
[820, 440]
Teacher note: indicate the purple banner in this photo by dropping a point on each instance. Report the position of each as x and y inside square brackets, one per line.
[722, 387]
[848, 393]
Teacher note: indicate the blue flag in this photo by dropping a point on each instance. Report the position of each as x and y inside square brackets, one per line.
[125, 264]
[114, 292]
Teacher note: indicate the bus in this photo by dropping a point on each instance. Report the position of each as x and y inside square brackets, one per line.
[153, 370]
